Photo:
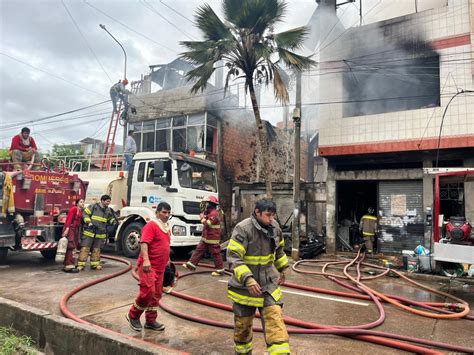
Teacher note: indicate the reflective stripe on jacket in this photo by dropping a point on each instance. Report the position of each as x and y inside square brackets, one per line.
[99, 217]
[211, 233]
[368, 225]
[255, 252]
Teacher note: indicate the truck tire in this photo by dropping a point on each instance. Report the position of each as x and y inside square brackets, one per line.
[131, 240]
[3, 255]
[49, 254]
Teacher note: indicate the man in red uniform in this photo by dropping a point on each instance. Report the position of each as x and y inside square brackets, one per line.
[211, 236]
[71, 232]
[154, 256]
[23, 149]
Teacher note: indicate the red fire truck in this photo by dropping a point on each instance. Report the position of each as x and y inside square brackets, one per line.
[33, 208]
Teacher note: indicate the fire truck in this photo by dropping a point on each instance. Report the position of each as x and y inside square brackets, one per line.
[33, 208]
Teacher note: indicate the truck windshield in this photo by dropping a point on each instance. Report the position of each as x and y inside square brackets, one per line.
[196, 176]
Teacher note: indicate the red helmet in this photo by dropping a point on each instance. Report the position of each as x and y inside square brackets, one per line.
[124, 81]
[212, 199]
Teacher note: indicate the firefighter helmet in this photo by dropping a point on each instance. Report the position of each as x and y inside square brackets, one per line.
[124, 81]
[212, 199]
[170, 276]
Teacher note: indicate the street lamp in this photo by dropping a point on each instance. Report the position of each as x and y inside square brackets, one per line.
[123, 49]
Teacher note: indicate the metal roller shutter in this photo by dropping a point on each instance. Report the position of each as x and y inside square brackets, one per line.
[402, 221]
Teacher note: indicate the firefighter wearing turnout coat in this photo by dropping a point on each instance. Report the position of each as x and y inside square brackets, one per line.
[96, 219]
[211, 237]
[257, 262]
[368, 228]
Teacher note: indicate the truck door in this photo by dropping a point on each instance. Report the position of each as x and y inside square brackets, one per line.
[153, 193]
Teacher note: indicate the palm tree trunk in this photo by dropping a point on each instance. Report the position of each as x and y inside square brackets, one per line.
[262, 136]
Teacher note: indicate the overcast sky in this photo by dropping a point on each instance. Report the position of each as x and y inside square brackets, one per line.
[55, 58]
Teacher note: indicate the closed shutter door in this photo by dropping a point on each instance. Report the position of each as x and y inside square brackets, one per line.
[402, 221]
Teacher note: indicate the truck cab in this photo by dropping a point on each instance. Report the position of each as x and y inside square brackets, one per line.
[178, 179]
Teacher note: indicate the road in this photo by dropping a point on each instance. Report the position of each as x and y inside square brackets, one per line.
[34, 281]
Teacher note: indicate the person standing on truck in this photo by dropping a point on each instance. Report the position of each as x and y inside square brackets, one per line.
[118, 91]
[257, 261]
[368, 229]
[130, 149]
[211, 237]
[96, 219]
[151, 264]
[23, 149]
[71, 232]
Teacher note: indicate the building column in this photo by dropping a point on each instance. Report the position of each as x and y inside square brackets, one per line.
[331, 202]
[469, 193]
[428, 200]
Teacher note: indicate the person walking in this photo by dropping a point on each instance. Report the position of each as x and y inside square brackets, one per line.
[151, 264]
[23, 149]
[211, 237]
[71, 231]
[118, 91]
[257, 261]
[130, 149]
[96, 218]
[368, 228]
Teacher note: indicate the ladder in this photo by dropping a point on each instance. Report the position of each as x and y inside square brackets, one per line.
[109, 146]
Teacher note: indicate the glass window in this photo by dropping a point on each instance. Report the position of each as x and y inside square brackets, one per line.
[179, 140]
[211, 121]
[163, 123]
[196, 138]
[149, 126]
[179, 121]
[148, 142]
[211, 139]
[138, 140]
[141, 172]
[163, 140]
[196, 120]
[137, 127]
[150, 171]
[196, 176]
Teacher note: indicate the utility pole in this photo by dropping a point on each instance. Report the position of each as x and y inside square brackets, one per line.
[295, 230]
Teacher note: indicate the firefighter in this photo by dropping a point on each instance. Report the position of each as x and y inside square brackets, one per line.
[71, 232]
[368, 228]
[118, 91]
[96, 219]
[257, 261]
[24, 150]
[211, 236]
[152, 263]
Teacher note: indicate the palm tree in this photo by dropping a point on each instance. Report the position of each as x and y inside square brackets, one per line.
[249, 47]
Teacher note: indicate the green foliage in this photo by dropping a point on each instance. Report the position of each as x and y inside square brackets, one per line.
[4, 154]
[247, 44]
[11, 344]
[66, 154]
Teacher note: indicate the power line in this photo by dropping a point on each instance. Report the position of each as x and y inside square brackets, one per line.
[85, 40]
[176, 12]
[51, 74]
[129, 28]
[53, 116]
[150, 7]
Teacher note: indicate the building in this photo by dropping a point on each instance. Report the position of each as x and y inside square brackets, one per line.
[393, 106]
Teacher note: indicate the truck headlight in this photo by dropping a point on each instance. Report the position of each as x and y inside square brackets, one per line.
[179, 230]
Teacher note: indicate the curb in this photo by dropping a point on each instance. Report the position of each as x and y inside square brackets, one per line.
[57, 335]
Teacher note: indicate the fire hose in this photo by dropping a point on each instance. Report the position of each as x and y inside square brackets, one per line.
[358, 332]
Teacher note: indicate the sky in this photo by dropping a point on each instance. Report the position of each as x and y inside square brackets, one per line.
[55, 58]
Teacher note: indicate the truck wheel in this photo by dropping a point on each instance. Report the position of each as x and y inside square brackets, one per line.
[3, 255]
[49, 254]
[131, 239]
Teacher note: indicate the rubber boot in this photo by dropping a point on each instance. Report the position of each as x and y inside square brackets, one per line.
[95, 259]
[276, 335]
[243, 335]
[81, 261]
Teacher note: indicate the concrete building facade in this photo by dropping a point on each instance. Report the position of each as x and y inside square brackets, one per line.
[398, 98]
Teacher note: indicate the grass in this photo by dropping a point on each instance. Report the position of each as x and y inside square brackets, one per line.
[11, 343]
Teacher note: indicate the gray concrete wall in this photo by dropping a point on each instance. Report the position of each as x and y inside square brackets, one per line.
[469, 193]
[331, 202]
[428, 200]
[56, 335]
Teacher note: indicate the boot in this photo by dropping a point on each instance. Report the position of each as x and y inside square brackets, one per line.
[81, 261]
[134, 323]
[95, 259]
[189, 266]
[155, 326]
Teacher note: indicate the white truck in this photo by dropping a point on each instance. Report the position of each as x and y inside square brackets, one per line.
[179, 179]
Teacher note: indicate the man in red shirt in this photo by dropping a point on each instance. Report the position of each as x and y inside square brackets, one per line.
[24, 150]
[154, 256]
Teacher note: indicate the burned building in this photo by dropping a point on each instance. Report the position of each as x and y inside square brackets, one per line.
[398, 98]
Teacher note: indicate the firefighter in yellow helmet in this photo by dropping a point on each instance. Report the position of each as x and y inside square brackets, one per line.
[257, 262]
[368, 228]
[96, 219]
